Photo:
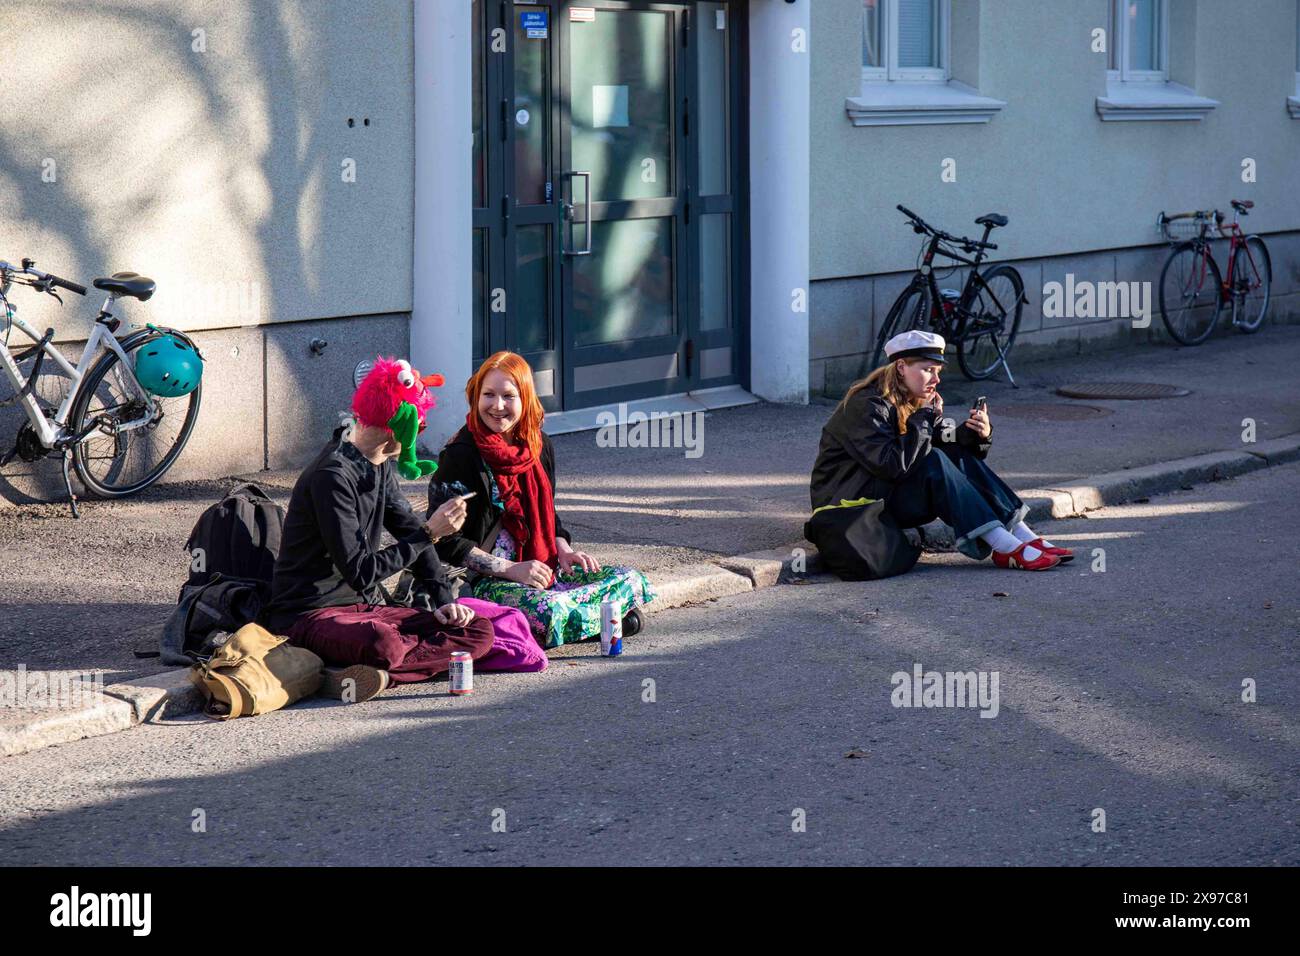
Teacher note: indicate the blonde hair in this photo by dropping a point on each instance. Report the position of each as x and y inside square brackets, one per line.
[890, 384]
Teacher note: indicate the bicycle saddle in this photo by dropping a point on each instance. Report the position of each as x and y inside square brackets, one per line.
[128, 283]
[992, 219]
[1241, 205]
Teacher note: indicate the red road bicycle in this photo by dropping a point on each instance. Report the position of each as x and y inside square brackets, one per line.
[1193, 291]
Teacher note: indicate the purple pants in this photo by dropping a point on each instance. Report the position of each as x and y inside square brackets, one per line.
[412, 645]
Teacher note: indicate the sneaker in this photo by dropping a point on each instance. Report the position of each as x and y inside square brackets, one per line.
[633, 622]
[360, 682]
[1016, 559]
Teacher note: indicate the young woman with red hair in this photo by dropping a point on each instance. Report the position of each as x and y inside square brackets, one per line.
[512, 540]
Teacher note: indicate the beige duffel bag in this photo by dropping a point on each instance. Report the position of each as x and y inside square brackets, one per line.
[254, 672]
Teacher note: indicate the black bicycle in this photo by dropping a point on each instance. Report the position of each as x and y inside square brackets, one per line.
[980, 320]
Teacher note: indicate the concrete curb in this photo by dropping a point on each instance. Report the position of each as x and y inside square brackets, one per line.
[171, 694]
[27, 729]
[1075, 498]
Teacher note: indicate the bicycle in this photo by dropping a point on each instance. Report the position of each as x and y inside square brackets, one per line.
[107, 425]
[1192, 288]
[981, 319]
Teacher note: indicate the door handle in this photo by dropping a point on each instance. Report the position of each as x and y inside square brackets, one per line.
[569, 212]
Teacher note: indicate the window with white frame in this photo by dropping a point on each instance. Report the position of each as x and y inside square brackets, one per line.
[905, 40]
[1139, 40]
[1138, 77]
[908, 76]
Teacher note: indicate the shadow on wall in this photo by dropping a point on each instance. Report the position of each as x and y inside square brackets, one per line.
[182, 140]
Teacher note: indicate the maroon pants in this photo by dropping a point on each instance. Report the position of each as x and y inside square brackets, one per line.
[410, 644]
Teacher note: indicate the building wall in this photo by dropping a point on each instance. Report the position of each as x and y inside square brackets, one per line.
[202, 143]
[1081, 194]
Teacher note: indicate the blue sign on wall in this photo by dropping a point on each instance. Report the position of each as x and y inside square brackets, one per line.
[534, 23]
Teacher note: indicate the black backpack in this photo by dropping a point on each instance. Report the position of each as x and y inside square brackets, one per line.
[232, 552]
[238, 537]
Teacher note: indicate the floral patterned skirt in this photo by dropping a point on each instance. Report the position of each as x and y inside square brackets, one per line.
[569, 610]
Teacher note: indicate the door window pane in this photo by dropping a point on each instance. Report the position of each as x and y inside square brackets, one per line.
[529, 118]
[625, 288]
[711, 60]
[715, 271]
[1144, 34]
[531, 305]
[621, 103]
[918, 33]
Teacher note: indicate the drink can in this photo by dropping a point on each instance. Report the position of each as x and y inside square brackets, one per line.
[611, 630]
[462, 673]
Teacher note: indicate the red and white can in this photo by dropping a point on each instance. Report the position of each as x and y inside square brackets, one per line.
[462, 673]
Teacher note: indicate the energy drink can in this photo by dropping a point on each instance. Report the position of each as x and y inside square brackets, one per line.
[611, 630]
[462, 673]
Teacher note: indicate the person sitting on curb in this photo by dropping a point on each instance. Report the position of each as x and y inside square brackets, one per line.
[886, 440]
[326, 590]
[512, 538]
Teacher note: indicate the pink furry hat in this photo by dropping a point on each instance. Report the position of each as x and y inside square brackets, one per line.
[386, 386]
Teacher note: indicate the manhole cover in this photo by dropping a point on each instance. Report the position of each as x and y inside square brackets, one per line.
[1052, 412]
[1123, 390]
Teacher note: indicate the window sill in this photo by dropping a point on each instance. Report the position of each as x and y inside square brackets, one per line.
[919, 104]
[1152, 101]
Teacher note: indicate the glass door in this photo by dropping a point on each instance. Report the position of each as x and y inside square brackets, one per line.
[604, 214]
[624, 191]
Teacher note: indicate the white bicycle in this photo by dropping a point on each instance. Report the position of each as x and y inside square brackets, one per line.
[118, 436]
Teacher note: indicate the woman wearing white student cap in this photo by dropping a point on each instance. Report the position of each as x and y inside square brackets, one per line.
[887, 440]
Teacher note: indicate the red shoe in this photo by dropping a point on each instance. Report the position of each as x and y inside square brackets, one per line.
[1016, 559]
[1065, 554]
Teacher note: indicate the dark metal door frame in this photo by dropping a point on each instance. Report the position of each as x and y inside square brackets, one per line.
[501, 216]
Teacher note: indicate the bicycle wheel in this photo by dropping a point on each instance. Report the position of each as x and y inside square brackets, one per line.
[994, 321]
[911, 310]
[1252, 278]
[1190, 293]
[112, 463]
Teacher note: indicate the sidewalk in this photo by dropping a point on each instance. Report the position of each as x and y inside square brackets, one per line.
[86, 594]
[748, 491]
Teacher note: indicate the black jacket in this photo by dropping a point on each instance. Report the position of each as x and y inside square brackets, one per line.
[862, 455]
[460, 461]
[329, 550]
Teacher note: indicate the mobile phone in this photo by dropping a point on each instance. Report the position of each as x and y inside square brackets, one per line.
[981, 402]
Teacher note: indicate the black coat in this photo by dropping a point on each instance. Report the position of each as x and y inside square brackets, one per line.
[330, 548]
[460, 461]
[862, 455]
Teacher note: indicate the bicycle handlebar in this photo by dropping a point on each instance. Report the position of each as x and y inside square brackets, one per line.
[939, 233]
[66, 284]
[46, 277]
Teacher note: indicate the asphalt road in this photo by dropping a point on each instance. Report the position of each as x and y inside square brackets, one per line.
[1118, 690]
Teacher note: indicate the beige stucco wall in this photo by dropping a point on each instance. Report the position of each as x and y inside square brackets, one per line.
[217, 171]
[1068, 181]
[213, 162]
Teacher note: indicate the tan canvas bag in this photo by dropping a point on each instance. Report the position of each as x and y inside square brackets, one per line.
[255, 672]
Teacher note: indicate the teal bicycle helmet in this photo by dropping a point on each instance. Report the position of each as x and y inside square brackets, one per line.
[168, 366]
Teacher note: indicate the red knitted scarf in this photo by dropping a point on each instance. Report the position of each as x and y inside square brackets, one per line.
[524, 489]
